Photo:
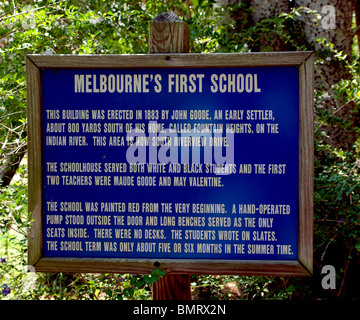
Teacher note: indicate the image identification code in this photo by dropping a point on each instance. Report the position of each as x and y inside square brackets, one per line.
[182, 309]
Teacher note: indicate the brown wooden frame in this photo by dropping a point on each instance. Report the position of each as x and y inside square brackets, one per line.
[303, 266]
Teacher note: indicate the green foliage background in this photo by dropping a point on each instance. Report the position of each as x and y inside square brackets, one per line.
[121, 27]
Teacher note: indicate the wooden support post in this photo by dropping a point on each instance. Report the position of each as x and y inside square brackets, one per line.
[172, 287]
[169, 34]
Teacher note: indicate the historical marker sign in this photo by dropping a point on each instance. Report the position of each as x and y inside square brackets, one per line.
[194, 163]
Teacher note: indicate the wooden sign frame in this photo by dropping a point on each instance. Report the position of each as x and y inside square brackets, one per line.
[302, 266]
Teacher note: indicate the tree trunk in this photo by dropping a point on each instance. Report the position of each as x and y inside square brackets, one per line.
[268, 8]
[331, 71]
[263, 9]
[10, 166]
[357, 16]
[340, 34]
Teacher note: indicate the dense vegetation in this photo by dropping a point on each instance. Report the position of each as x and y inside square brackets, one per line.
[99, 27]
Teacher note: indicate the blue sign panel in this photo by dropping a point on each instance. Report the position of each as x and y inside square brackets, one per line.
[172, 163]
